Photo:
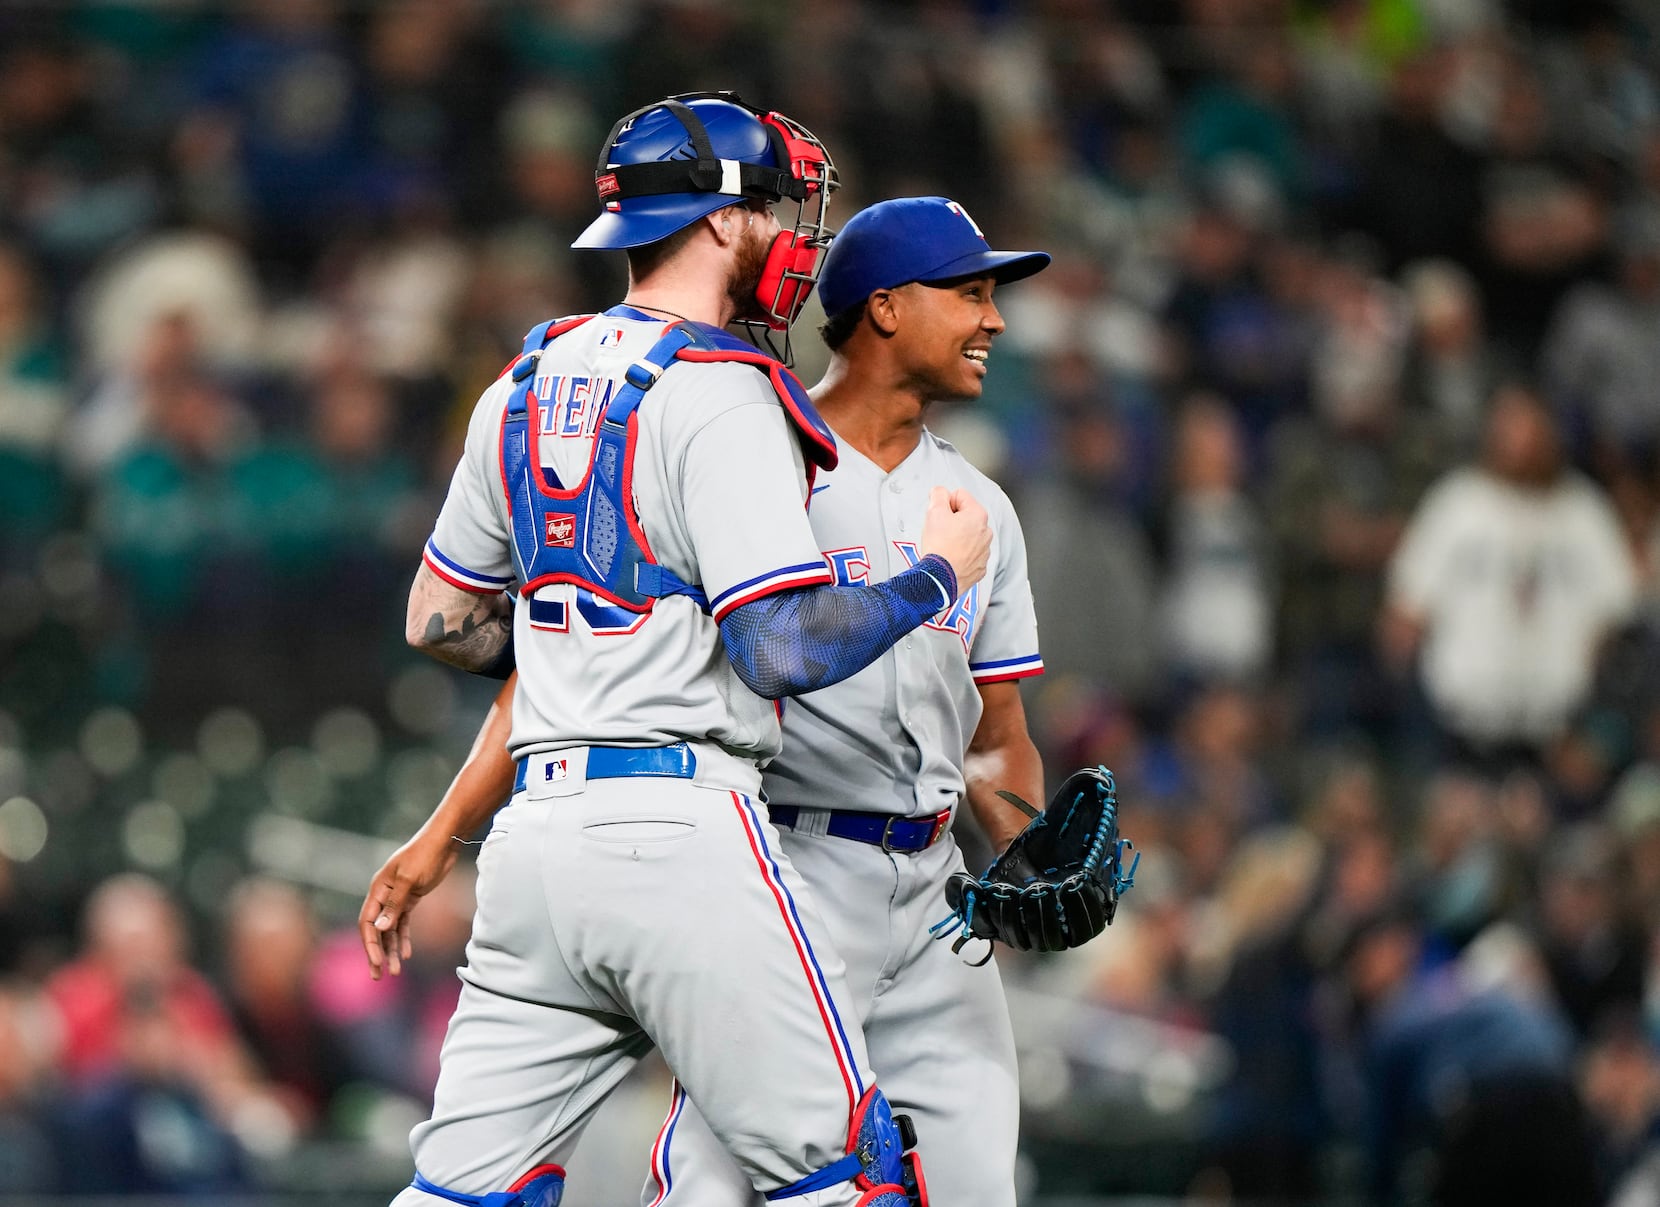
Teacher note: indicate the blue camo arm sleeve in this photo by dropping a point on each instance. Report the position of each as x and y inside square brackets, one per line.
[792, 642]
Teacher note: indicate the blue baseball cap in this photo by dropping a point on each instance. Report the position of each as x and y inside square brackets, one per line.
[909, 239]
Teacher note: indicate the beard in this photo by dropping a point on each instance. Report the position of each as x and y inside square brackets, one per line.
[745, 277]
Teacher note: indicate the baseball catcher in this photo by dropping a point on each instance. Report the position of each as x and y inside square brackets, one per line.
[1058, 883]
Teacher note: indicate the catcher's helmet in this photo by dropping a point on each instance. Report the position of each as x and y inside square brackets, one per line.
[670, 163]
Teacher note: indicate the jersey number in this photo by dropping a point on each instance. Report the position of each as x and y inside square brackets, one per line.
[552, 615]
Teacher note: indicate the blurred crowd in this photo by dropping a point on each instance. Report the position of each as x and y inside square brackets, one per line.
[1334, 429]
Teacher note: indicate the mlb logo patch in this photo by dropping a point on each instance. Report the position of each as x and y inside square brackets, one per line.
[561, 530]
[613, 335]
[555, 770]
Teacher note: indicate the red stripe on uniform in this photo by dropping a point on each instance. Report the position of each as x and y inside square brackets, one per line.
[807, 579]
[658, 1170]
[800, 951]
[453, 581]
[1005, 676]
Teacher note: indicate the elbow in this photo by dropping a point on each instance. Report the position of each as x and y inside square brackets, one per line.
[760, 680]
[418, 631]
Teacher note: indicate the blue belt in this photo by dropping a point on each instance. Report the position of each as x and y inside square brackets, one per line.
[907, 835]
[615, 762]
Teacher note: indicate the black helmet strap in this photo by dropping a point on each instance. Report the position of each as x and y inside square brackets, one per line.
[708, 173]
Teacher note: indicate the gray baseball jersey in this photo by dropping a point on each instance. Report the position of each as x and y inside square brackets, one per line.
[892, 739]
[617, 912]
[718, 483]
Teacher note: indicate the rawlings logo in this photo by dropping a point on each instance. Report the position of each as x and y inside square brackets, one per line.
[606, 184]
[561, 531]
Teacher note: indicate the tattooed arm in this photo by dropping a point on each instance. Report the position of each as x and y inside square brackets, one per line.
[463, 628]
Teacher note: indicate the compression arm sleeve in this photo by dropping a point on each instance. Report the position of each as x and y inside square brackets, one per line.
[792, 642]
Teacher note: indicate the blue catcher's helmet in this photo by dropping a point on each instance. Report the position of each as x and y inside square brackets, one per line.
[670, 163]
[667, 165]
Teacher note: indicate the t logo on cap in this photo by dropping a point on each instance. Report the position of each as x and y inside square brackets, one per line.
[926, 239]
[959, 210]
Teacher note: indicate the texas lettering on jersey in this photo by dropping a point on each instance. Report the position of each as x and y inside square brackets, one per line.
[851, 567]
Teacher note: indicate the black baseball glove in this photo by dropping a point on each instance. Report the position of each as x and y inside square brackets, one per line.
[1058, 883]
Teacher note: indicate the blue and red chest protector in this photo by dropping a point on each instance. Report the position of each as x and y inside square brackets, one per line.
[590, 534]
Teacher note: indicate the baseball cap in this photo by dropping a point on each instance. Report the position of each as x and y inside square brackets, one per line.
[909, 239]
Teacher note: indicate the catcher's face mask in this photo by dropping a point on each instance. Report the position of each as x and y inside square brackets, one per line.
[729, 152]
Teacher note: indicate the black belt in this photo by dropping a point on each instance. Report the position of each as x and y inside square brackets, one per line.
[906, 835]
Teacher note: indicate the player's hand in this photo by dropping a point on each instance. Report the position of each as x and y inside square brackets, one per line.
[956, 529]
[412, 872]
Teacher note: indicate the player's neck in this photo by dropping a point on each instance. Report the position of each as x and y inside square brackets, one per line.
[686, 287]
[882, 421]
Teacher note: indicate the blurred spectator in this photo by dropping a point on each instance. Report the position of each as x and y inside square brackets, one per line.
[1218, 605]
[1620, 1082]
[390, 1030]
[399, 303]
[1451, 369]
[174, 306]
[1420, 193]
[1240, 117]
[147, 1125]
[1511, 575]
[1543, 224]
[74, 185]
[433, 83]
[1083, 548]
[1476, 1077]
[1461, 876]
[275, 142]
[1213, 780]
[1341, 485]
[1595, 956]
[160, 507]
[269, 946]
[1228, 333]
[1269, 1121]
[31, 1159]
[134, 950]
[548, 139]
[1361, 338]
[147, 1038]
[1602, 355]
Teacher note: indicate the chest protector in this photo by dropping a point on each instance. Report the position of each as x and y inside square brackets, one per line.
[590, 534]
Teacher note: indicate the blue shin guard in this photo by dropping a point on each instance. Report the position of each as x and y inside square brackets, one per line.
[878, 1160]
[543, 1186]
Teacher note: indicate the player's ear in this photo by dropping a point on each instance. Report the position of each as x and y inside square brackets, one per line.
[883, 314]
[725, 224]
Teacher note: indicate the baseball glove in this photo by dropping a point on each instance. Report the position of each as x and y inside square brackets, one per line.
[1058, 883]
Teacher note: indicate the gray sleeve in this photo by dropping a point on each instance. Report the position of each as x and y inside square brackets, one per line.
[470, 544]
[743, 487]
[1006, 642]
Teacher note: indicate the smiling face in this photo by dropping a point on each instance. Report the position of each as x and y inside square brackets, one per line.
[943, 335]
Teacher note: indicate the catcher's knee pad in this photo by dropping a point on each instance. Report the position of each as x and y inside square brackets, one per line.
[543, 1186]
[879, 1160]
